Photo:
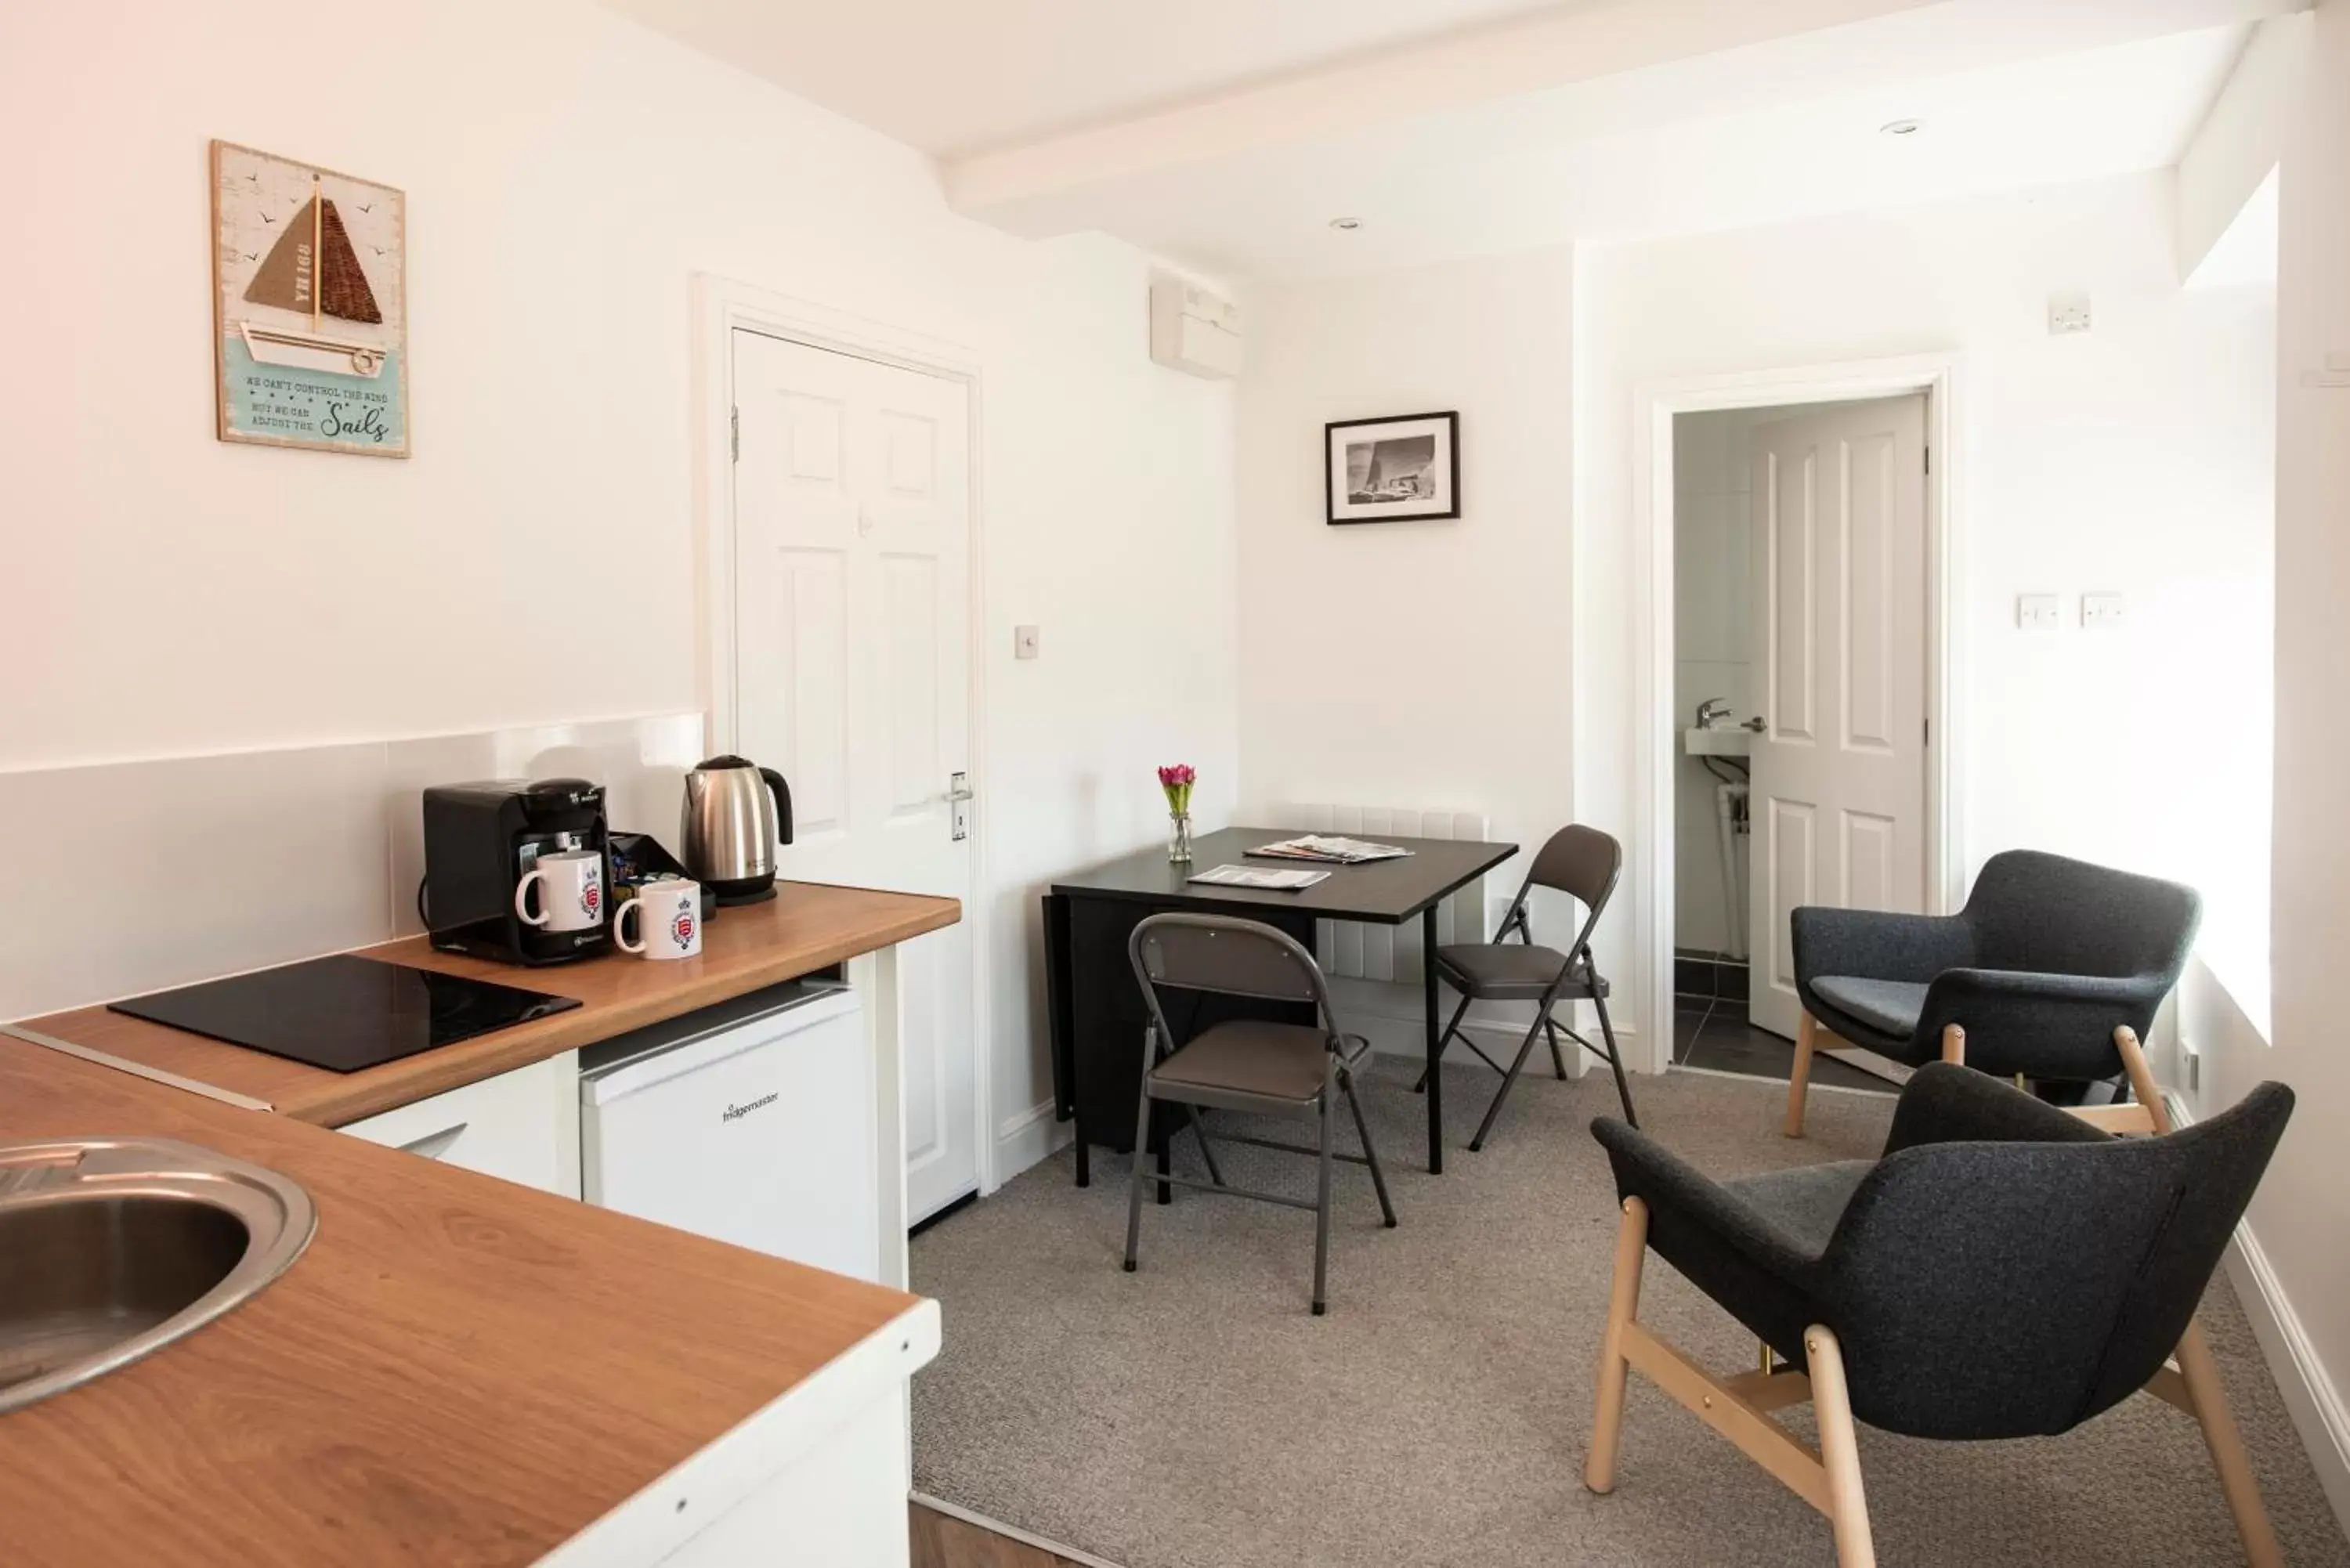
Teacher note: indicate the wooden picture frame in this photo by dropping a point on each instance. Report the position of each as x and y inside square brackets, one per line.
[1404, 468]
[309, 305]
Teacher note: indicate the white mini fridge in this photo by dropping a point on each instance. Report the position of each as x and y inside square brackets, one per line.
[751, 1122]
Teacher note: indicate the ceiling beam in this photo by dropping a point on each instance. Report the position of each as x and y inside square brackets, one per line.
[1563, 76]
[1447, 73]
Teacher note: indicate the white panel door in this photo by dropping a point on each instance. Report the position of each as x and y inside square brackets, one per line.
[852, 539]
[1838, 796]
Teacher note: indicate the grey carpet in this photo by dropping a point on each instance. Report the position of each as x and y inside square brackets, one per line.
[1193, 1416]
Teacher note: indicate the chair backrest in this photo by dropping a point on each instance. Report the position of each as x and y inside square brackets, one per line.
[1582, 863]
[1230, 956]
[2009, 1290]
[2032, 911]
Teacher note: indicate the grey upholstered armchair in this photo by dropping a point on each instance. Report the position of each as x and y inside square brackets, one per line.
[2005, 1270]
[2053, 970]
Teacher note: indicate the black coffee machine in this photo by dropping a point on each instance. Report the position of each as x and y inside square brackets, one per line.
[480, 841]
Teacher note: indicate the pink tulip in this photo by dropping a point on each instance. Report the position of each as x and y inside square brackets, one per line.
[1177, 780]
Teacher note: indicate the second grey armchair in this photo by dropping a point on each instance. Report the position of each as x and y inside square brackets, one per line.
[2004, 1271]
[2053, 971]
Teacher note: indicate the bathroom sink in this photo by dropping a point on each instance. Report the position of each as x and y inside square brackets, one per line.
[112, 1248]
[1722, 741]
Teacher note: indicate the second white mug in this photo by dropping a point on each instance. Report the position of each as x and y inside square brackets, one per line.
[668, 920]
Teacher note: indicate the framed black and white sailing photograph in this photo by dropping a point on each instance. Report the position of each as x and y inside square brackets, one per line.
[309, 305]
[1402, 469]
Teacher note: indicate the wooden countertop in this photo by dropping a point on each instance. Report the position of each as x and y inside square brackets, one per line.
[808, 927]
[458, 1371]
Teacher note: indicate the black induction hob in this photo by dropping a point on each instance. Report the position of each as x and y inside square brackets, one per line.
[344, 1012]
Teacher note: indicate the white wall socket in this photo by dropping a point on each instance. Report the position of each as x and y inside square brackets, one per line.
[2036, 612]
[2068, 313]
[2100, 612]
[1025, 641]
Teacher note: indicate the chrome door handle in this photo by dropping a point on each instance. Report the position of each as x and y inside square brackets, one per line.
[1758, 723]
[959, 798]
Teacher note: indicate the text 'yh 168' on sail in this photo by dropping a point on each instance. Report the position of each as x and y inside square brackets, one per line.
[313, 270]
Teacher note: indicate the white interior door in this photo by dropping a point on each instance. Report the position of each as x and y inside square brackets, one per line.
[852, 569]
[1838, 796]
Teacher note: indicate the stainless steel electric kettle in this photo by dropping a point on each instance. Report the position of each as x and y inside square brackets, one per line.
[736, 815]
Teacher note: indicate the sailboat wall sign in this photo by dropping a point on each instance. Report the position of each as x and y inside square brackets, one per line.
[309, 305]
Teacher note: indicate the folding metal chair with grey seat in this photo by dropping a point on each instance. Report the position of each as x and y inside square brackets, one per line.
[1582, 863]
[1244, 1064]
[2003, 1270]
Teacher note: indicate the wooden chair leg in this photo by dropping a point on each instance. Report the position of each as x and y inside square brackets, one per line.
[1799, 1081]
[2226, 1445]
[1839, 1450]
[1622, 1305]
[2147, 1093]
[1954, 1044]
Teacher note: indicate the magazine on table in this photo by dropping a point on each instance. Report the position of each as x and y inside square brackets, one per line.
[1329, 850]
[1263, 879]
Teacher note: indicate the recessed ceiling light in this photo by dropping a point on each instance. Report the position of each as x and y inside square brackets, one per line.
[1902, 127]
[1346, 226]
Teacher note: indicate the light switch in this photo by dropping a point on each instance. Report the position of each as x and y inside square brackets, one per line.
[2068, 313]
[2035, 612]
[2100, 612]
[1024, 642]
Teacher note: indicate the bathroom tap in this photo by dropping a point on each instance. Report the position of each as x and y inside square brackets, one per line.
[1709, 710]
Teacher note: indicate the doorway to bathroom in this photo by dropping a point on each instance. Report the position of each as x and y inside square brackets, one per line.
[1803, 662]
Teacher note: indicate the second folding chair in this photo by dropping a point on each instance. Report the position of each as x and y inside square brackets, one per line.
[1584, 863]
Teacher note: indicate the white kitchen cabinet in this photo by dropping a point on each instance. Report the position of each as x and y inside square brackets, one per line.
[753, 1122]
[522, 1125]
[819, 1477]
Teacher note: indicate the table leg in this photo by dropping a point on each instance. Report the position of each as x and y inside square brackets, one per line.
[1435, 1078]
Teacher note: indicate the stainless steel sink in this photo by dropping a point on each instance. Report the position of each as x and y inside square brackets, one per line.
[112, 1248]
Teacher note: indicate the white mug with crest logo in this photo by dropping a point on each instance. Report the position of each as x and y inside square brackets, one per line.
[669, 920]
[571, 891]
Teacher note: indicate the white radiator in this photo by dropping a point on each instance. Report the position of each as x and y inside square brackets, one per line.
[1351, 950]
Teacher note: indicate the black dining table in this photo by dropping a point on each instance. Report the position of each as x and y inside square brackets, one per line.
[1095, 1005]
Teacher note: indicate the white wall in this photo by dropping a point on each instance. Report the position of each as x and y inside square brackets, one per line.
[2303, 1215]
[566, 172]
[1713, 643]
[2134, 458]
[1412, 664]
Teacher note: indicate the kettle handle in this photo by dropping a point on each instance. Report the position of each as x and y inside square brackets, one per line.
[783, 794]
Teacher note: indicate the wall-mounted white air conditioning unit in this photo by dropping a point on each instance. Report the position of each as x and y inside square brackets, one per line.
[1193, 331]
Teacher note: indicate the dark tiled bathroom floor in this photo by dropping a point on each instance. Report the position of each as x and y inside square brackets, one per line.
[1715, 1035]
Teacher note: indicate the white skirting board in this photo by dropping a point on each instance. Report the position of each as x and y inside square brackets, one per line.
[2310, 1393]
[2310, 1396]
[1028, 1137]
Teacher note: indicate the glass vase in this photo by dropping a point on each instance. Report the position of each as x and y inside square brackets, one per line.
[1178, 837]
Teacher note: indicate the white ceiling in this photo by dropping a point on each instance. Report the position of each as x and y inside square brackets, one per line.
[1227, 133]
[1425, 193]
[952, 77]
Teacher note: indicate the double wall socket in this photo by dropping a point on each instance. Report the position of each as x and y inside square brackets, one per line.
[2045, 612]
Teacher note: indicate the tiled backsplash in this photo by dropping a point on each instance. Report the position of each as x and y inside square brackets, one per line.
[135, 876]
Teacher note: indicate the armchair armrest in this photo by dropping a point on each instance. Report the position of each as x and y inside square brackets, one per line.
[1872, 945]
[1681, 1198]
[2058, 1026]
[1947, 1104]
